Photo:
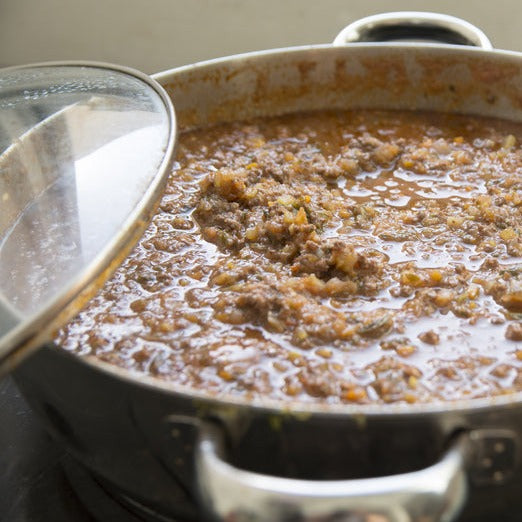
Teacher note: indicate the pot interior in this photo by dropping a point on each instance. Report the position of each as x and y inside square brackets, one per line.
[394, 76]
[400, 76]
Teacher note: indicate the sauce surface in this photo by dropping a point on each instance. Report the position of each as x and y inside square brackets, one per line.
[340, 257]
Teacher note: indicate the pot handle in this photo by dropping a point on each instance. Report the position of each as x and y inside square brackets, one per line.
[435, 493]
[413, 26]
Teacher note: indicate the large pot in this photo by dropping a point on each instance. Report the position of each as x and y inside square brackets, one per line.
[181, 452]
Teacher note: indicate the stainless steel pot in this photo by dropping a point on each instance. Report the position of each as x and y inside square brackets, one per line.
[182, 452]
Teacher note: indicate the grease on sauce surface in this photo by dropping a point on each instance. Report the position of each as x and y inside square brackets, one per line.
[340, 257]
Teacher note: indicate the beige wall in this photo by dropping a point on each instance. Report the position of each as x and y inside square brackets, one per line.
[154, 35]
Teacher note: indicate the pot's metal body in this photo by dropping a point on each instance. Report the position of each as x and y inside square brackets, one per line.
[141, 439]
[152, 439]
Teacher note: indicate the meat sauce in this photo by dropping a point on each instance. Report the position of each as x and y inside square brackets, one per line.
[341, 257]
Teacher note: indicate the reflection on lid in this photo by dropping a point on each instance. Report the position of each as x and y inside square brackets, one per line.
[84, 152]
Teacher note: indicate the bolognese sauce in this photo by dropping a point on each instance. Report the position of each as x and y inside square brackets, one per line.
[340, 256]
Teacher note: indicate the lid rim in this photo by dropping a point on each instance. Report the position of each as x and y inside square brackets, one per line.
[37, 328]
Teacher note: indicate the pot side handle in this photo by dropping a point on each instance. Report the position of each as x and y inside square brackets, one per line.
[436, 493]
[413, 26]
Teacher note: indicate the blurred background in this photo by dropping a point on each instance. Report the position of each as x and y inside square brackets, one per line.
[154, 35]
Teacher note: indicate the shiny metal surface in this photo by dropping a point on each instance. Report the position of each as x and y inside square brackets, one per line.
[150, 427]
[146, 431]
[434, 493]
[415, 26]
[84, 151]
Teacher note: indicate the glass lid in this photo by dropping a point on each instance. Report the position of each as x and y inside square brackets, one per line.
[84, 154]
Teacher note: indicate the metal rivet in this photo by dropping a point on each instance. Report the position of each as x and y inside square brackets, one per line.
[499, 447]
[487, 462]
[498, 476]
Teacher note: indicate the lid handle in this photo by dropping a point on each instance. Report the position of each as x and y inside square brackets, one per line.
[413, 26]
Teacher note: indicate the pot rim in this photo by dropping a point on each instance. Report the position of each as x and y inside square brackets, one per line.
[162, 76]
[294, 408]
[303, 409]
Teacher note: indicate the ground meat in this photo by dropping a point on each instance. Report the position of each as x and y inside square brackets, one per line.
[514, 332]
[430, 337]
[338, 257]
